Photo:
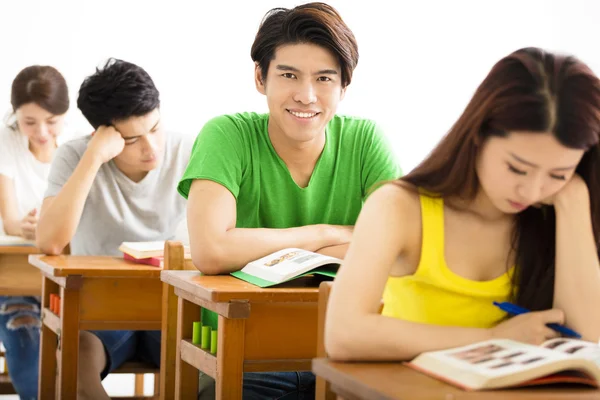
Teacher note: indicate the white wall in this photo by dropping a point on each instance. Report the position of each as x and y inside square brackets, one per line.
[420, 60]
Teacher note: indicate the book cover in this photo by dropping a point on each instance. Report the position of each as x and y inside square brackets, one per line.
[154, 261]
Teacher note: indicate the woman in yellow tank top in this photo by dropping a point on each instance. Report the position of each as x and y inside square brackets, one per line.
[506, 208]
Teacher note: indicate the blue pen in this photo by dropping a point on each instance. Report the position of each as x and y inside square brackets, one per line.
[516, 310]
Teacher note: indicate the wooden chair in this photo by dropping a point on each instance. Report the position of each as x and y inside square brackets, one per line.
[136, 368]
[323, 390]
[139, 369]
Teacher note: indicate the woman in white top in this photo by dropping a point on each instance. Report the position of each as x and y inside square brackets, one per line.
[39, 99]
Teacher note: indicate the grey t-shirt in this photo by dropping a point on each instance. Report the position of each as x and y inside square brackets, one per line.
[119, 210]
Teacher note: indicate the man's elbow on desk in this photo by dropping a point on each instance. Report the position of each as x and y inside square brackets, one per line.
[49, 243]
[52, 249]
[209, 263]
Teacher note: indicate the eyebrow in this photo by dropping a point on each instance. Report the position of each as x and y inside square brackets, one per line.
[283, 67]
[33, 118]
[137, 136]
[519, 159]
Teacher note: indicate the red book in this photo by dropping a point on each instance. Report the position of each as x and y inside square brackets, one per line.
[154, 261]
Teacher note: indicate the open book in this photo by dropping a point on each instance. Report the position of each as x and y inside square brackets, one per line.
[285, 265]
[149, 253]
[15, 241]
[502, 363]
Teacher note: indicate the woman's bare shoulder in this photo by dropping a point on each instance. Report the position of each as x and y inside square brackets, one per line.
[398, 197]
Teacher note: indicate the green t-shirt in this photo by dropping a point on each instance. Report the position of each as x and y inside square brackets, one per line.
[236, 152]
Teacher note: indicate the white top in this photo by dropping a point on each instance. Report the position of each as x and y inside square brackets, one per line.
[28, 174]
[118, 209]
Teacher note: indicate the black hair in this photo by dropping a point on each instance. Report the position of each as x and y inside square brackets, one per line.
[116, 92]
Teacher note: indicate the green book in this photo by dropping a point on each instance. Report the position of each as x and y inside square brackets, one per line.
[285, 265]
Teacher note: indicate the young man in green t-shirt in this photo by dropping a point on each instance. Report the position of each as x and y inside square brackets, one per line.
[295, 177]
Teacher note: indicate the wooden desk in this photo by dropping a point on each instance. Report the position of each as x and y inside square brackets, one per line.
[387, 381]
[94, 292]
[17, 276]
[259, 330]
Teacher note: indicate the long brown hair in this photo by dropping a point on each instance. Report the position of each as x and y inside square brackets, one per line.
[535, 91]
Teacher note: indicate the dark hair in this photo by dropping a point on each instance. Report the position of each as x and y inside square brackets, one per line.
[116, 92]
[42, 85]
[535, 91]
[316, 23]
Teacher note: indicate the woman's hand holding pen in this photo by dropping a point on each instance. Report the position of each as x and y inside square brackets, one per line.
[530, 327]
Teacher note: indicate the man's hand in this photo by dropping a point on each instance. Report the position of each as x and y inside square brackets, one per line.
[106, 144]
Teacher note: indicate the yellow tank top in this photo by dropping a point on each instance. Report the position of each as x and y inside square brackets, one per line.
[436, 295]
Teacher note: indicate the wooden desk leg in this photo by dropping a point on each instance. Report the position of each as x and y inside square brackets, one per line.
[186, 376]
[68, 360]
[48, 345]
[323, 390]
[168, 345]
[230, 358]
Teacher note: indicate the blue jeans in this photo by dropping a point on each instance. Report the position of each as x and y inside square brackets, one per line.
[122, 346]
[267, 386]
[22, 343]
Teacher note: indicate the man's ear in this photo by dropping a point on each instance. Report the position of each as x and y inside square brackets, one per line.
[343, 93]
[258, 80]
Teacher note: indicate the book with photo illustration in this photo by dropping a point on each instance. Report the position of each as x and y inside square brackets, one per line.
[504, 363]
[148, 253]
[285, 265]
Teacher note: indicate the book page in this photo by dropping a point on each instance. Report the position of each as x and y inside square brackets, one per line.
[575, 347]
[498, 357]
[15, 241]
[145, 246]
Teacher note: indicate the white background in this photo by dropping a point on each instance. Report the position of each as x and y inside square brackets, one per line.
[420, 60]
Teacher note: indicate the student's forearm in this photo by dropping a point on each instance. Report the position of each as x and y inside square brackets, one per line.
[377, 338]
[12, 227]
[338, 251]
[59, 221]
[577, 276]
[239, 246]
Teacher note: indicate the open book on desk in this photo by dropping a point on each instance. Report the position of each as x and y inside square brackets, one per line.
[503, 363]
[16, 241]
[285, 265]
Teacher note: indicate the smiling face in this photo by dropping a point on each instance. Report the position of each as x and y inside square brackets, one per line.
[303, 88]
[41, 127]
[144, 143]
[524, 168]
